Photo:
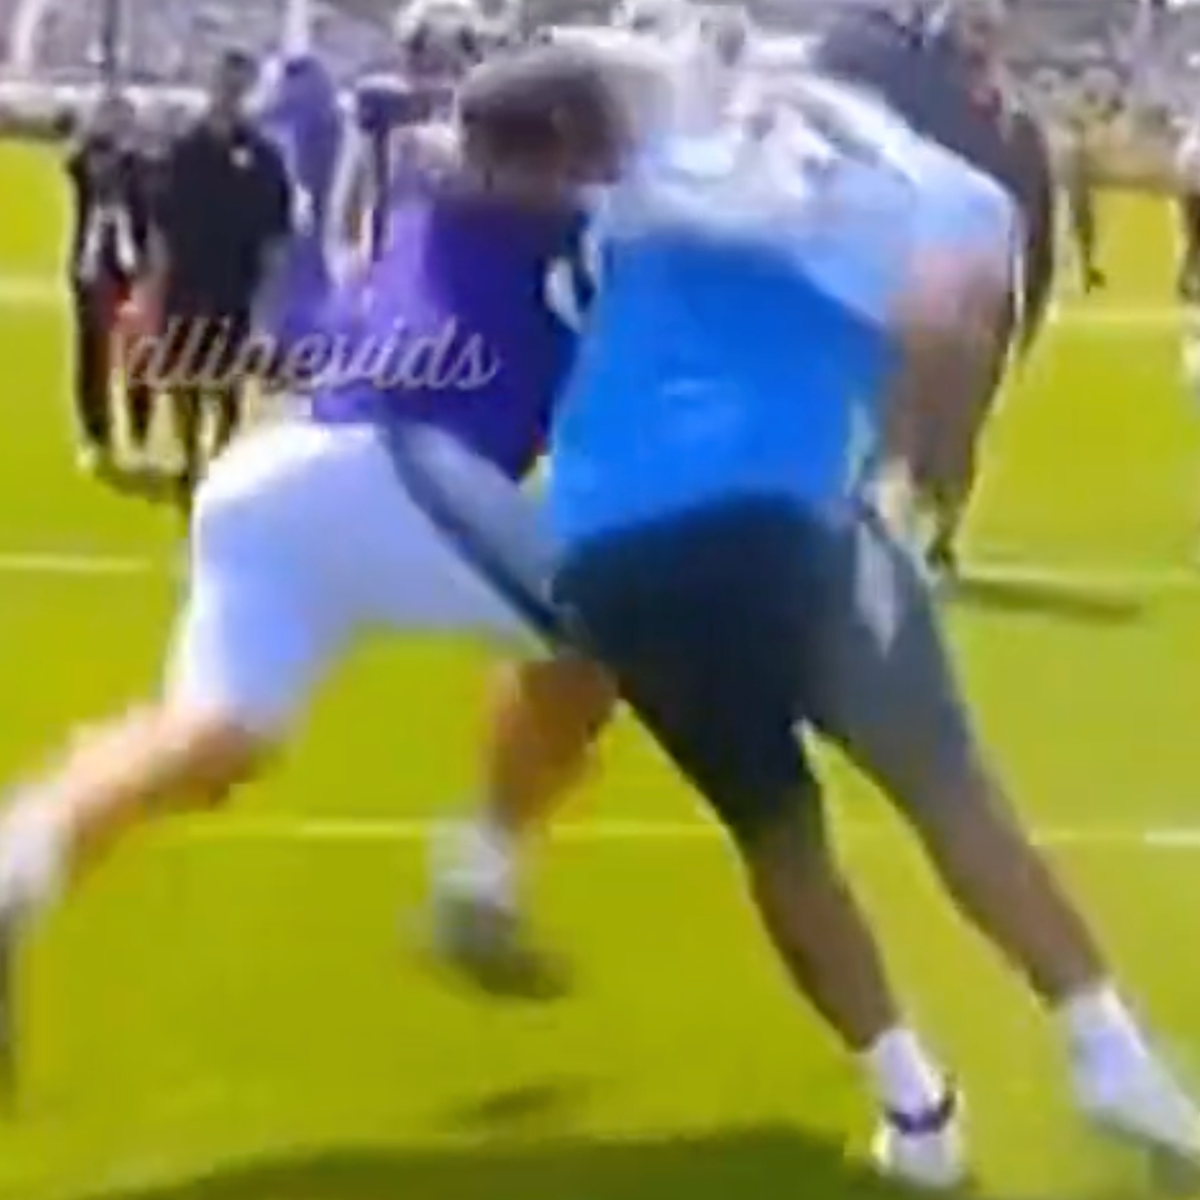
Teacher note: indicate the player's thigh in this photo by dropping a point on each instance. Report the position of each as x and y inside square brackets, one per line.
[883, 687]
[699, 621]
[468, 552]
[270, 599]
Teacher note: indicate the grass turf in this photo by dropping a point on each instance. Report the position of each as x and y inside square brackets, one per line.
[233, 1011]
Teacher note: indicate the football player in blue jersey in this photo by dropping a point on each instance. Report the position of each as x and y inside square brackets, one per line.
[765, 295]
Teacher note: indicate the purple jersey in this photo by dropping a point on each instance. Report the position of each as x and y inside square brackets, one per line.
[451, 327]
[385, 105]
[303, 119]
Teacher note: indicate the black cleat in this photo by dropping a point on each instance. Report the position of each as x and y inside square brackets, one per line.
[487, 945]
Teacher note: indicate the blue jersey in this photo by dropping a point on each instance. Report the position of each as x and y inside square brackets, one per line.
[742, 331]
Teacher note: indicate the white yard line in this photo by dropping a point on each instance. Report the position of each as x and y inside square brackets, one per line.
[1017, 572]
[1088, 577]
[370, 831]
[36, 563]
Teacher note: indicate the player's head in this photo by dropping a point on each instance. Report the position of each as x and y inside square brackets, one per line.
[113, 119]
[542, 124]
[978, 27]
[233, 82]
[728, 32]
[440, 39]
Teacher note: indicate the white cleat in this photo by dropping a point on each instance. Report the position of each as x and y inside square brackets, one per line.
[927, 1152]
[1141, 1101]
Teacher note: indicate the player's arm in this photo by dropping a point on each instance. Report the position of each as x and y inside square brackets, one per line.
[1038, 246]
[964, 238]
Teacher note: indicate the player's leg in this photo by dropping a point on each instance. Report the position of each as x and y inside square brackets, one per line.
[544, 720]
[258, 625]
[228, 396]
[702, 624]
[91, 378]
[544, 717]
[885, 692]
[483, 565]
[139, 402]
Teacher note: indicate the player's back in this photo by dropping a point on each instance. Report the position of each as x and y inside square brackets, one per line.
[744, 323]
[450, 325]
[744, 311]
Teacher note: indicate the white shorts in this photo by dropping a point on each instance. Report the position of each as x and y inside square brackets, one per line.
[305, 536]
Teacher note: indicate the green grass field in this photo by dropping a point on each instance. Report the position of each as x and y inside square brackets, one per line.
[237, 1010]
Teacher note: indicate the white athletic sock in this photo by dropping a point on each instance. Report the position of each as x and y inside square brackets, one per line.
[907, 1080]
[478, 858]
[34, 841]
[896, 501]
[1100, 1029]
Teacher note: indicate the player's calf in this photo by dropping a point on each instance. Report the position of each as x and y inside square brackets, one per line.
[545, 719]
[886, 695]
[705, 621]
[151, 761]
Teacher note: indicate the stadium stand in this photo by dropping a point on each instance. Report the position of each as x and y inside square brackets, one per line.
[1071, 55]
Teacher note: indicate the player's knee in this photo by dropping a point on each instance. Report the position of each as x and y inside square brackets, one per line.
[775, 816]
[220, 750]
[569, 699]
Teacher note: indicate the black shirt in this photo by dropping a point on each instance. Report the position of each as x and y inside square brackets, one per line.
[225, 202]
[100, 175]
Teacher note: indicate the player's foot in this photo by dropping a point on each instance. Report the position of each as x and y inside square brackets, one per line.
[926, 1150]
[488, 945]
[1136, 1097]
[478, 931]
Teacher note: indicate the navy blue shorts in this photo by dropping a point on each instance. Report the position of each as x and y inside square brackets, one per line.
[700, 619]
[734, 630]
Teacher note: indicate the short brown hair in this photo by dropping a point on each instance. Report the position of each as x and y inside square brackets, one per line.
[546, 104]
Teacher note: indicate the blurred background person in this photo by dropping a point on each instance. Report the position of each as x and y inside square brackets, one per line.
[225, 213]
[109, 237]
[435, 43]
